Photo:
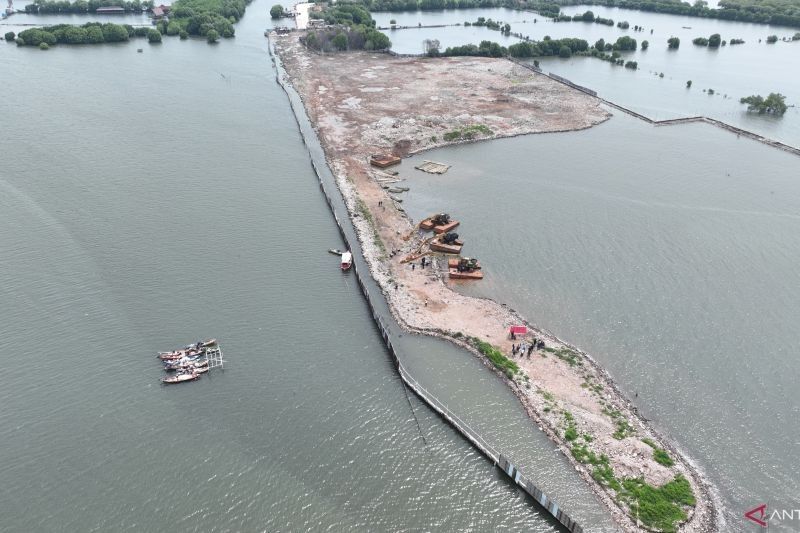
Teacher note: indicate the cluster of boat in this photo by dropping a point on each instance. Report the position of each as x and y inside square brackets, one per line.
[187, 363]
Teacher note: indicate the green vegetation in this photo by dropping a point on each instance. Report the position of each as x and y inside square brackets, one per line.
[503, 363]
[772, 39]
[467, 133]
[207, 18]
[662, 457]
[44, 46]
[90, 33]
[277, 11]
[10, 36]
[795, 37]
[650, 442]
[632, 65]
[623, 430]
[712, 42]
[571, 357]
[43, 7]
[774, 104]
[351, 21]
[689, 84]
[623, 25]
[658, 508]
[604, 474]
[364, 211]
[673, 43]
[571, 432]
[198, 17]
[737, 41]
[645, 45]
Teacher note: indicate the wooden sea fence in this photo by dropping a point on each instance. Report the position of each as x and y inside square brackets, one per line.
[381, 323]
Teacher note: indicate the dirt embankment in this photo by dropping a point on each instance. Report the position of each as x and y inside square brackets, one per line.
[363, 104]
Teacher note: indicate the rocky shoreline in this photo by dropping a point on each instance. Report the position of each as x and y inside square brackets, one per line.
[563, 389]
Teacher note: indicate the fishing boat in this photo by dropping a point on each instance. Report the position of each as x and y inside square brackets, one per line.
[169, 366]
[180, 378]
[174, 356]
[189, 349]
[347, 260]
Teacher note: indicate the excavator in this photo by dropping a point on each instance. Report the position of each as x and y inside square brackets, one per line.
[467, 264]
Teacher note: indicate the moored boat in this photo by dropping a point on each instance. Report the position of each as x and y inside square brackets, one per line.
[347, 260]
[180, 378]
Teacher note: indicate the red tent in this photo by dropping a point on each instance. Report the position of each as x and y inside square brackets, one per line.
[518, 330]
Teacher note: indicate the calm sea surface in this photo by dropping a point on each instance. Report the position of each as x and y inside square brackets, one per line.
[731, 71]
[670, 254]
[148, 200]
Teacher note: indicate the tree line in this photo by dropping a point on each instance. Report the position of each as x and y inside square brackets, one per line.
[350, 27]
[83, 6]
[89, 33]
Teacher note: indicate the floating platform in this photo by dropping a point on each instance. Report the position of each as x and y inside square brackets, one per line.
[432, 167]
[475, 274]
[428, 225]
[454, 248]
[384, 160]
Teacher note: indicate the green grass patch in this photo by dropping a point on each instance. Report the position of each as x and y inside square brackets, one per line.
[506, 365]
[550, 350]
[658, 508]
[569, 356]
[604, 474]
[650, 442]
[623, 430]
[587, 437]
[467, 133]
[584, 455]
[364, 211]
[661, 456]
[548, 396]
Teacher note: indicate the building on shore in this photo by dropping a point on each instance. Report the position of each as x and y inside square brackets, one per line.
[110, 10]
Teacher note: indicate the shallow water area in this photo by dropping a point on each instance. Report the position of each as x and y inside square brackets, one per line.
[732, 71]
[671, 261]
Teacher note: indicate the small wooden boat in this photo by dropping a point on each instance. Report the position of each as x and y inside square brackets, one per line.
[335, 251]
[180, 378]
[179, 355]
[347, 261]
[189, 350]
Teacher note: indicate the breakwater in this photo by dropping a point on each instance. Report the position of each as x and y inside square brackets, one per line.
[379, 308]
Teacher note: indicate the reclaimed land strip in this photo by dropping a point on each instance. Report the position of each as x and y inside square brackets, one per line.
[366, 103]
[380, 310]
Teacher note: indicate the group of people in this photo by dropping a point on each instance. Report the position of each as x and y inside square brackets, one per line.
[526, 348]
[421, 262]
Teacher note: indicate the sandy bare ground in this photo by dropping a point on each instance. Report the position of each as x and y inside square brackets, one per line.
[361, 104]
